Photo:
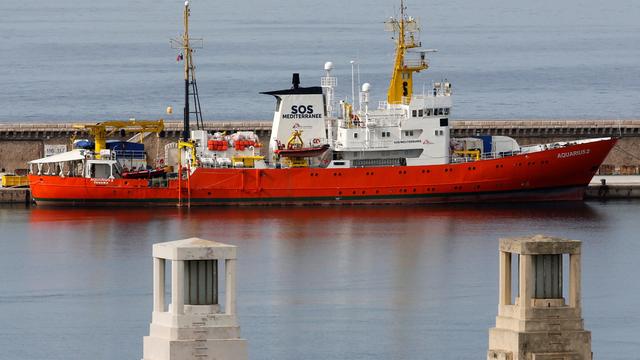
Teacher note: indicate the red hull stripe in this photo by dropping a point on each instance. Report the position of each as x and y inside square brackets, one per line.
[543, 194]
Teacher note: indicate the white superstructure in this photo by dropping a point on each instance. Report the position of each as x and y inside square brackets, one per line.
[415, 132]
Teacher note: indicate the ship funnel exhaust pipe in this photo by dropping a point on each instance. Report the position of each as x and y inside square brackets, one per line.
[296, 80]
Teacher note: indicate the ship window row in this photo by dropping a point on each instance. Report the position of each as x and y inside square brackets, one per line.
[430, 112]
[386, 134]
[408, 133]
[439, 132]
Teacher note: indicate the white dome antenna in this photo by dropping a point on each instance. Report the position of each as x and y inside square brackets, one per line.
[329, 84]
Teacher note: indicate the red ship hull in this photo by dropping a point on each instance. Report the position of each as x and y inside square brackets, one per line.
[558, 174]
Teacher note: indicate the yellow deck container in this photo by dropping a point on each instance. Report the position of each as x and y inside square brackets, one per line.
[247, 161]
[14, 181]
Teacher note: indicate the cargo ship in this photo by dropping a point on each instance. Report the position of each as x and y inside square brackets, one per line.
[324, 151]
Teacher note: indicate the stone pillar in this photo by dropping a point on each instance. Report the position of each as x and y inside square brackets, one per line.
[177, 287]
[526, 284]
[541, 324]
[575, 276]
[194, 326]
[230, 267]
[158, 284]
[505, 278]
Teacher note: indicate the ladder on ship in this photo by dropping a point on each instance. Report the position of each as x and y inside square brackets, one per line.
[197, 109]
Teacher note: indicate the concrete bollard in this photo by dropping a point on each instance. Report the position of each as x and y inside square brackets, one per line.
[543, 322]
[194, 325]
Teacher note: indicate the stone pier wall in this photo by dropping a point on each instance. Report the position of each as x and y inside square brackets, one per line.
[21, 143]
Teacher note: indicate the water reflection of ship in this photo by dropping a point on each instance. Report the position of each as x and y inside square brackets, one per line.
[328, 230]
[319, 214]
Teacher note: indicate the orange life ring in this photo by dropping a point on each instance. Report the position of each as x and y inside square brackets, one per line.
[316, 141]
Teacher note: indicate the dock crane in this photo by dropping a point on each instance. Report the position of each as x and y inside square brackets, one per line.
[102, 130]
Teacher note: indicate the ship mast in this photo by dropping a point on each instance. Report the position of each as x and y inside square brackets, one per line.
[401, 85]
[187, 44]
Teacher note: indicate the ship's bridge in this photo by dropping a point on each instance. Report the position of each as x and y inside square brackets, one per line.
[435, 102]
[429, 105]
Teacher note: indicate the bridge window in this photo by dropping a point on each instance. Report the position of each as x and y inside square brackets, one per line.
[355, 135]
[100, 171]
[414, 113]
[420, 113]
[444, 122]
[446, 111]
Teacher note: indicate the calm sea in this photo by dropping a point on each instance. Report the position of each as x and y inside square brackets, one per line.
[314, 283]
[74, 60]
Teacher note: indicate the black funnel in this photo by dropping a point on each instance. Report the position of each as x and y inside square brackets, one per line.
[296, 80]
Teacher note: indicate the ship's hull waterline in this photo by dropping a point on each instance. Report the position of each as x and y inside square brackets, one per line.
[549, 175]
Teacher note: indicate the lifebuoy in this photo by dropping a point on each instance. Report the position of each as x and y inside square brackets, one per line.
[316, 141]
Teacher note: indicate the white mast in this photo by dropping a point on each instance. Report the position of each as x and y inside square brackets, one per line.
[353, 84]
[358, 83]
[329, 84]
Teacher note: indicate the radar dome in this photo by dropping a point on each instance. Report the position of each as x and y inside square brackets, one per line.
[366, 87]
[328, 65]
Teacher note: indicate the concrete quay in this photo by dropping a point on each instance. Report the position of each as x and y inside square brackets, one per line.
[15, 195]
[614, 187]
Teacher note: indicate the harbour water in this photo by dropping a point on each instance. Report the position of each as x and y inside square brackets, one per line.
[314, 282]
[70, 60]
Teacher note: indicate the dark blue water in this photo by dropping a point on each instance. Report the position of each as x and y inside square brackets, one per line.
[314, 283]
[88, 60]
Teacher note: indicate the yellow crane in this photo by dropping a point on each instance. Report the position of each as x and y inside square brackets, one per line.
[401, 85]
[102, 130]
